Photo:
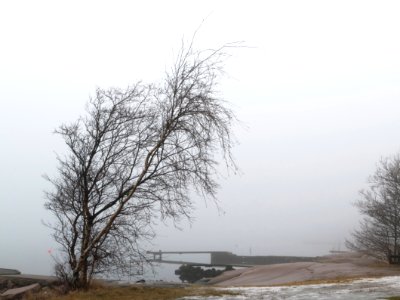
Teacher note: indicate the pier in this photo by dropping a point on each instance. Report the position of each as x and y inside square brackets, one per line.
[226, 258]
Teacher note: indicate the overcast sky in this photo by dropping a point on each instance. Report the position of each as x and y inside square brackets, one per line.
[318, 89]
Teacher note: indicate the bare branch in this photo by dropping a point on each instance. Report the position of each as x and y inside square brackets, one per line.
[379, 232]
[137, 154]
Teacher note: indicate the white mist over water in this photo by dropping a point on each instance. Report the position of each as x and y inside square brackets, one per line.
[166, 271]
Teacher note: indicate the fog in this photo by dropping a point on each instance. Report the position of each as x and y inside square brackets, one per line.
[316, 88]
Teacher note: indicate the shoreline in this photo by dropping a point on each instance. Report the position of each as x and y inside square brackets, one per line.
[344, 267]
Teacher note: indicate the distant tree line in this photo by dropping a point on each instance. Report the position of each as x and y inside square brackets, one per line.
[191, 274]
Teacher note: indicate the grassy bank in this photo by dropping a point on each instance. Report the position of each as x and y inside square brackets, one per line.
[128, 293]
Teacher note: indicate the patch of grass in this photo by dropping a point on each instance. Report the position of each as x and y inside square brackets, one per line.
[130, 293]
[327, 281]
[393, 298]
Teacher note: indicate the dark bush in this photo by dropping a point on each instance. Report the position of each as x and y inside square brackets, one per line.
[192, 274]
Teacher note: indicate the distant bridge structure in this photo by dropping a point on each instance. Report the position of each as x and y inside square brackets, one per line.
[225, 258]
[214, 262]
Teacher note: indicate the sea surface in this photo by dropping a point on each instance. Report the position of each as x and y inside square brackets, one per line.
[365, 289]
[166, 272]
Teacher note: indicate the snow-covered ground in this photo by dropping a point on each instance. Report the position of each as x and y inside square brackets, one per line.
[365, 289]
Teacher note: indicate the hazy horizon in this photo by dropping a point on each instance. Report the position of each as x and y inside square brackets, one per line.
[316, 90]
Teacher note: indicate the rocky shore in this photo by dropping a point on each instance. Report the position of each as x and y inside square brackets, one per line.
[328, 268]
[14, 285]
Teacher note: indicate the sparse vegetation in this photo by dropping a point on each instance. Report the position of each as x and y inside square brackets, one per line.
[336, 280]
[128, 293]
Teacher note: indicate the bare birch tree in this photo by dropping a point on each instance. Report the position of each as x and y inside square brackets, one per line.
[136, 154]
[379, 232]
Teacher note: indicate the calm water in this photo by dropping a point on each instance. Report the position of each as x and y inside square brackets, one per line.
[366, 289]
[166, 272]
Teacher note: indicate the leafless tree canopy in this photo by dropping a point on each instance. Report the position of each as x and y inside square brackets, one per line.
[134, 155]
[379, 232]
